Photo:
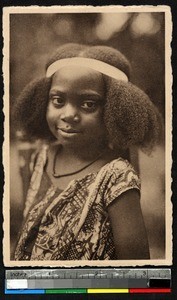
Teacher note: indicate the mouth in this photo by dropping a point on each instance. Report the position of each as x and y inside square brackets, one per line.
[69, 132]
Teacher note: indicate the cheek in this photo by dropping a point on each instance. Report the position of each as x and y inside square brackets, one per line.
[95, 122]
[51, 120]
[99, 124]
[51, 114]
[98, 117]
[48, 116]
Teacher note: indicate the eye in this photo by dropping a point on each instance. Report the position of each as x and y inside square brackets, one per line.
[57, 100]
[89, 105]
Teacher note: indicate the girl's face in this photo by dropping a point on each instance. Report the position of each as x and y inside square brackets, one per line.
[75, 108]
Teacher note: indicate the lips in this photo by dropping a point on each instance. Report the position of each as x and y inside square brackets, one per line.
[68, 133]
[68, 130]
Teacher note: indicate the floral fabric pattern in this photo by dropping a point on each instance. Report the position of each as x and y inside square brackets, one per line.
[72, 224]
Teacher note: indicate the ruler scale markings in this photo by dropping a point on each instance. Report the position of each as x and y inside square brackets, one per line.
[108, 273]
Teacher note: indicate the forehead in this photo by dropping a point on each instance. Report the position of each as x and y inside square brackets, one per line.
[80, 77]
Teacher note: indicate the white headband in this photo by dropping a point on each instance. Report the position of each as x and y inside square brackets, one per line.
[91, 63]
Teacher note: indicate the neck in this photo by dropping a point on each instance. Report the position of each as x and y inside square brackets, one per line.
[86, 153]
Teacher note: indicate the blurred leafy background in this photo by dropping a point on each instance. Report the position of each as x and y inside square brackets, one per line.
[141, 38]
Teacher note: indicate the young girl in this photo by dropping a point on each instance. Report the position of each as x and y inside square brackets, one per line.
[84, 198]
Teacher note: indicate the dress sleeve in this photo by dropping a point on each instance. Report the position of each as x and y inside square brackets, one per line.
[121, 177]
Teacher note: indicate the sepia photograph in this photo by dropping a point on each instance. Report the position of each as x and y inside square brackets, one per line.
[87, 143]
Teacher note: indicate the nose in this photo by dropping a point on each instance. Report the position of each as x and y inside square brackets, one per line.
[70, 113]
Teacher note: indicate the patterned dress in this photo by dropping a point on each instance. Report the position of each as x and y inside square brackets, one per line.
[72, 224]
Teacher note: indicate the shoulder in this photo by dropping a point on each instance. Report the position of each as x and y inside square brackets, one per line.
[120, 167]
[120, 177]
[120, 163]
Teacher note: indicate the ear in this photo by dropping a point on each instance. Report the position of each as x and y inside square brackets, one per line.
[130, 116]
[29, 109]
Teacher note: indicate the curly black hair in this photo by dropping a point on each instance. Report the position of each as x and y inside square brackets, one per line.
[129, 115]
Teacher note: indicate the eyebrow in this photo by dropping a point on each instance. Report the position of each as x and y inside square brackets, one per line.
[95, 97]
[85, 93]
[89, 93]
[56, 91]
